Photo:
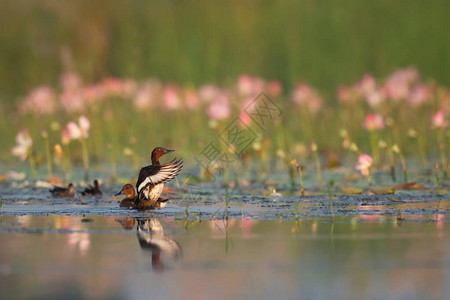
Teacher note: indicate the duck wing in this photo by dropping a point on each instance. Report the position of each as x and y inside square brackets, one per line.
[58, 189]
[154, 175]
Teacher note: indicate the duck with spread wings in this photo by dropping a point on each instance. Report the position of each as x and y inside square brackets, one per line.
[151, 179]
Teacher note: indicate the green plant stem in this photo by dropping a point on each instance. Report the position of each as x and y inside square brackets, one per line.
[442, 152]
[437, 179]
[67, 164]
[300, 175]
[32, 163]
[422, 151]
[374, 145]
[319, 173]
[403, 163]
[391, 162]
[113, 164]
[48, 157]
[85, 158]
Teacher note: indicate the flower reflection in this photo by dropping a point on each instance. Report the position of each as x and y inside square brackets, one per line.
[80, 241]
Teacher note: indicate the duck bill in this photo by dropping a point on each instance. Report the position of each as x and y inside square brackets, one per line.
[167, 151]
[119, 193]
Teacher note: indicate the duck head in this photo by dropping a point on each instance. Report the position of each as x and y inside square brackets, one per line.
[70, 187]
[127, 190]
[157, 153]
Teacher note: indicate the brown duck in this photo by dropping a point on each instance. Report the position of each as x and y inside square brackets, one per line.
[130, 196]
[92, 190]
[152, 178]
[59, 191]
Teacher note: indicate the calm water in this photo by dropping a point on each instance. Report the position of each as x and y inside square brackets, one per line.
[274, 246]
[361, 257]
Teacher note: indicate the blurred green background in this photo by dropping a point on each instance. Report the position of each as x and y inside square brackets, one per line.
[324, 43]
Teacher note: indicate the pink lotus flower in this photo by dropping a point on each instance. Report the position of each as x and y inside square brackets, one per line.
[208, 92]
[129, 88]
[73, 131]
[93, 92]
[363, 164]
[397, 86]
[72, 101]
[248, 104]
[65, 136]
[70, 81]
[84, 126]
[171, 99]
[315, 104]
[41, 101]
[245, 85]
[249, 86]
[76, 131]
[344, 94]
[375, 98]
[305, 96]
[301, 93]
[113, 86]
[438, 120]
[274, 88]
[219, 109]
[146, 95]
[366, 85]
[421, 93]
[143, 98]
[191, 99]
[23, 145]
[245, 119]
[373, 122]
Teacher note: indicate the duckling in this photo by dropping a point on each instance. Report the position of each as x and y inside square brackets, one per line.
[130, 199]
[92, 190]
[59, 191]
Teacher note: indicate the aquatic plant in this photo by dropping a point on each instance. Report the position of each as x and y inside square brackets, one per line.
[48, 154]
[300, 175]
[80, 132]
[372, 123]
[396, 149]
[438, 182]
[363, 165]
[23, 149]
[412, 133]
[113, 162]
[228, 196]
[313, 147]
[439, 123]
[383, 106]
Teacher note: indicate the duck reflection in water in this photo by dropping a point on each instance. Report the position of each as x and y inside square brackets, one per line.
[151, 237]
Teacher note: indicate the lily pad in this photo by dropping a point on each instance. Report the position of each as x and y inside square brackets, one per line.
[411, 185]
[382, 190]
[351, 191]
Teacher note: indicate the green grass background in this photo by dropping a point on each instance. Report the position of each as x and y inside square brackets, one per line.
[322, 42]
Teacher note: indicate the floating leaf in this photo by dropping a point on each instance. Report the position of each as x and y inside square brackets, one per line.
[382, 190]
[353, 177]
[352, 191]
[412, 185]
[393, 199]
